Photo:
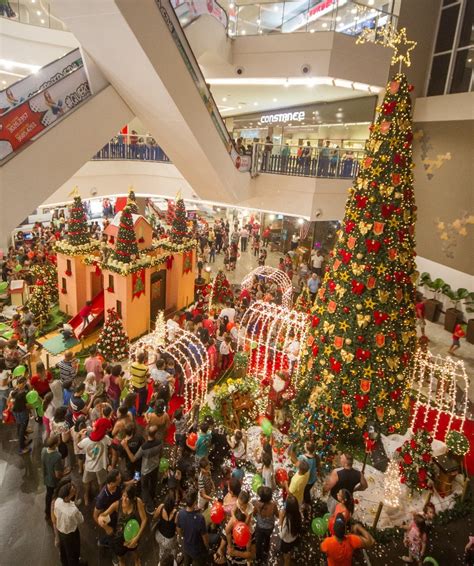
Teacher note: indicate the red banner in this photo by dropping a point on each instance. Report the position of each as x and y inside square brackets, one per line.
[20, 125]
[138, 283]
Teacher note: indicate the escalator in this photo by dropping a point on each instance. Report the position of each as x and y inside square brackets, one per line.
[142, 50]
[51, 122]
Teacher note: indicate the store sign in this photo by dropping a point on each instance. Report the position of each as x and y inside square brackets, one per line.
[283, 117]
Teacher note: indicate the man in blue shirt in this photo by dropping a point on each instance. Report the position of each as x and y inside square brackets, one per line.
[192, 527]
[313, 286]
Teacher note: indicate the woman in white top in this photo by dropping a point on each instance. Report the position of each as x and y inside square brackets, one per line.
[290, 528]
[66, 519]
[4, 388]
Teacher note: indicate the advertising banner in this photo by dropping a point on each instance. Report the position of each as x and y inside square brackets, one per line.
[28, 119]
[188, 10]
[48, 75]
[241, 162]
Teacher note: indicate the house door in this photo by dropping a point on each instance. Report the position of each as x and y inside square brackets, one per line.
[96, 284]
[158, 293]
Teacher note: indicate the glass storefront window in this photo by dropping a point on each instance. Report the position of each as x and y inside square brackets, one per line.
[467, 27]
[447, 29]
[439, 73]
[462, 75]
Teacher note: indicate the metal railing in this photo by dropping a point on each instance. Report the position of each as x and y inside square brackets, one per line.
[32, 12]
[329, 162]
[344, 16]
[130, 146]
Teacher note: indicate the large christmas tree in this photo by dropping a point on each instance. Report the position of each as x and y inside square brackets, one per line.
[46, 274]
[77, 229]
[126, 247]
[221, 291]
[179, 228]
[356, 360]
[113, 342]
[303, 302]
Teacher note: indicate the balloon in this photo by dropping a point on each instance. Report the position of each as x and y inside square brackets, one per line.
[131, 530]
[257, 481]
[267, 427]
[430, 560]
[281, 476]
[241, 534]
[19, 371]
[32, 397]
[85, 396]
[326, 516]
[164, 465]
[217, 512]
[8, 334]
[318, 526]
[18, 267]
[192, 439]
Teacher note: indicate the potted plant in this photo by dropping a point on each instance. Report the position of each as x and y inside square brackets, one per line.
[453, 315]
[433, 305]
[469, 302]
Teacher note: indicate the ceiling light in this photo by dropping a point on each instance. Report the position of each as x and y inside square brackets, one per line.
[231, 5]
[275, 8]
[258, 21]
[224, 99]
[255, 103]
[354, 11]
[42, 21]
[371, 2]
[4, 82]
[260, 31]
[312, 30]
[243, 32]
[292, 81]
[324, 25]
[469, 60]
[300, 221]
[338, 18]
[38, 12]
[239, 107]
[339, 109]
[33, 1]
[275, 100]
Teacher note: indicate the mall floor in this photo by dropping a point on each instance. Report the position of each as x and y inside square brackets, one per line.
[26, 539]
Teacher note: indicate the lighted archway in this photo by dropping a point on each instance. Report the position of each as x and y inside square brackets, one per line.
[272, 275]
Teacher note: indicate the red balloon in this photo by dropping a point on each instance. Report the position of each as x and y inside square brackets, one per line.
[281, 476]
[241, 534]
[192, 439]
[217, 512]
[230, 326]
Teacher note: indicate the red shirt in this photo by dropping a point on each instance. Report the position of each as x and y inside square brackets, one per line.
[339, 552]
[41, 385]
[420, 310]
[458, 332]
[85, 311]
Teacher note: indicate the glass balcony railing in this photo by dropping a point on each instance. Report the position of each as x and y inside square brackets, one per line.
[344, 16]
[130, 146]
[334, 163]
[190, 10]
[32, 12]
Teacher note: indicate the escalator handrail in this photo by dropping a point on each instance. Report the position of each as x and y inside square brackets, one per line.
[179, 37]
[14, 108]
[45, 67]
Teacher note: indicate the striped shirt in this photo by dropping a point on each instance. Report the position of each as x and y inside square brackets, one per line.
[138, 373]
[67, 372]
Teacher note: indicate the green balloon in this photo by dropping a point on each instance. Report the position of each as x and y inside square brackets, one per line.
[19, 371]
[327, 516]
[3, 286]
[318, 526]
[257, 482]
[164, 465]
[266, 427]
[132, 528]
[430, 560]
[3, 327]
[18, 267]
[8, 334]
[39, 410]
[85, 397]
[32, 397]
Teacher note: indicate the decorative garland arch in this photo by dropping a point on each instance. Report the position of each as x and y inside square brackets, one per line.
[265, 333]
[188, 352]
[433, 382]
[272, 275]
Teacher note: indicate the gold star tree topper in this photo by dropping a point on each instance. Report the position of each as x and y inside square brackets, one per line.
[389, 36]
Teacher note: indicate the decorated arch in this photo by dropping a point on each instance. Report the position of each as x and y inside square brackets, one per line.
[187, 351]
[267, 332]
[271, 275]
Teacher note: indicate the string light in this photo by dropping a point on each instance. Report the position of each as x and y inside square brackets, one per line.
[392, 485]
[187, 351]
[443, 375]
[389, 36]
[271, 275]
[269, 329]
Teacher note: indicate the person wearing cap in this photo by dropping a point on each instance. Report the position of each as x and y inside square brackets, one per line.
[67, 367]
[340, 547]
[96, 447]
[20, 412]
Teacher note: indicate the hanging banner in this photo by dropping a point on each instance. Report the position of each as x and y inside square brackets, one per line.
[241, 162]
[24, 122]
[24, 89]
[138, 283]
[187, 261]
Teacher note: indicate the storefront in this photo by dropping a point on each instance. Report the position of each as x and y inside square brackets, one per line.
[343, 122]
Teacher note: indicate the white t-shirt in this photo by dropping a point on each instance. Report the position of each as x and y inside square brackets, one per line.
[4, 380]
[68, 516]
[96, 453]
[229, 312]
[172, 327]
[317, 261]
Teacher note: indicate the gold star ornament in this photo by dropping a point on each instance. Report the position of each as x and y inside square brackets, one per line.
[389, 36]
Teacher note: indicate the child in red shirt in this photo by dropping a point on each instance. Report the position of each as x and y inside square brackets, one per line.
[457, 335]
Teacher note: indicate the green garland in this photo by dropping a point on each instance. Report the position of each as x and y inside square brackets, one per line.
[457, 443]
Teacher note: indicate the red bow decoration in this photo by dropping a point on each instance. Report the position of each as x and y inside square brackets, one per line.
[345, 256]
[361, 201]
[362, 401]
[335, 365]
[357, 287]
[380, 317]
[387, 210]
[315, 350]
[315, 321]
[169, 262]
[349, 226]
[389, 107]
[372, 245]
[362, 354]
[332, 285]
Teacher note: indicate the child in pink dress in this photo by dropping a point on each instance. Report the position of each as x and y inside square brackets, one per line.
[415, 540]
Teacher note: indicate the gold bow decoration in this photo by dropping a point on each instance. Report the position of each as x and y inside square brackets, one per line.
[328, 328]
[383, 296]
[347, 356]
[363, 320]
[364, 227]
[393, 363]
[358, 269]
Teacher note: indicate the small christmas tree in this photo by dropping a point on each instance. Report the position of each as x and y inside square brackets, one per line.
[126, 248]
[77, 228]
[38, 303]
[179, 227]
[416, 461]
[132, 201]
[113, 342]
[170, 213]
[221, 291]
[160, 329]
[304, 302]
[392, 485]
[46, 274]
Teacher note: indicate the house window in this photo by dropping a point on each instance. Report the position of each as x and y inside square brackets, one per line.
[63, 285]
[111, 240]
[68, 266]
[119, 308]
[111, 283]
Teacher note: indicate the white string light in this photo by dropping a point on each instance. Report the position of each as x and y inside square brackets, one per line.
[443, 375]
[392, 485]
[264, 322]
[271, 275]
